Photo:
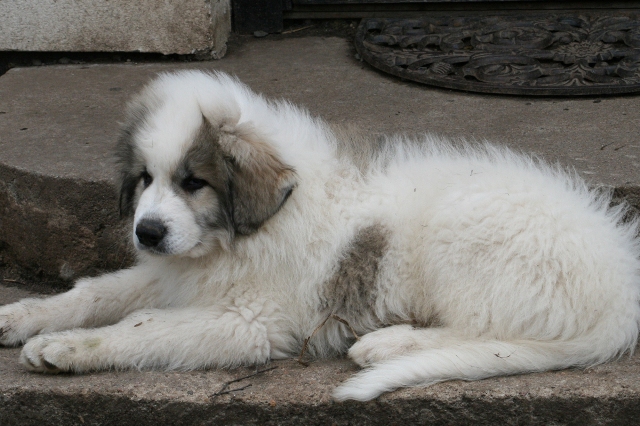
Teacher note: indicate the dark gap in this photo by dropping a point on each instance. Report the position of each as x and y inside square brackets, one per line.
[10, 60]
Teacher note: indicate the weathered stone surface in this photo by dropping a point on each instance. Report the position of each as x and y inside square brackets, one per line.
[182, 27]
[55, 228]
[292, 394]
[58, 125]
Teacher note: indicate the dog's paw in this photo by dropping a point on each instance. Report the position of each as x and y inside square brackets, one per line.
[59, 352]
[16, 324]
[34, 358]
[384, 344]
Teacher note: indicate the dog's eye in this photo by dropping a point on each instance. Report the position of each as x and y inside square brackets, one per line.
[146, 179]
[192, 184]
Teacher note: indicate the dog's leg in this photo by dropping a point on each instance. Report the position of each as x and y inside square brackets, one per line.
[395, 341]
[92, 302]
[183, 339]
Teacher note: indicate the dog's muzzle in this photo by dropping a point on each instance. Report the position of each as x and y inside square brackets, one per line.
[150, 232]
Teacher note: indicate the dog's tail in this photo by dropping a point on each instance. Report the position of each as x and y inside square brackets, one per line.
[474, 359]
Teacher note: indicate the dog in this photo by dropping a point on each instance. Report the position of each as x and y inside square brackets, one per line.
[258, 226]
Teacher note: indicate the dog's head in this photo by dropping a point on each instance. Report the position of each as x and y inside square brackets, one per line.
[192, 175]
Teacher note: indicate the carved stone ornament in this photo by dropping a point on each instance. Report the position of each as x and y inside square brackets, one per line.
[551, 54]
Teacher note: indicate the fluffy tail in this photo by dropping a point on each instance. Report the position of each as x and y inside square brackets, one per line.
[469, 359]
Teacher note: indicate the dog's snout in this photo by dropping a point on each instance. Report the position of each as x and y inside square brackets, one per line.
[150, 232]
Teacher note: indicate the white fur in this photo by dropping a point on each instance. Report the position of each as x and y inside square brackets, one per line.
[517, 265]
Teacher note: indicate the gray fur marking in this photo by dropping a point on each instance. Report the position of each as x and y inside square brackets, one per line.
[352, 291]
[205, 160]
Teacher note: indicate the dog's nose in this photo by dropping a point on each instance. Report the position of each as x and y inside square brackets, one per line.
[150, 232]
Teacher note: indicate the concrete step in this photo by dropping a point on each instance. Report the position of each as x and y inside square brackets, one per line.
[292, 394]
[58, 221]
[58, 125]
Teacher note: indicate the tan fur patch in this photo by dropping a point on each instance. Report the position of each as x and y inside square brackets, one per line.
[352, 291]
[261, 181]
[249, 179]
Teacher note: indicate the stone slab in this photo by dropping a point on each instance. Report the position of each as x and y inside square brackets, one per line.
[70, 113]
[292, 394]
[58, 125]
[184, 27]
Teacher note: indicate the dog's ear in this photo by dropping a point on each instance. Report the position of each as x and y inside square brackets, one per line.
[124, 159]
[128, 186]
[260, 183]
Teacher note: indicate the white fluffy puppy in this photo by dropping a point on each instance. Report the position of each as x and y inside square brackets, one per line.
[254, 222]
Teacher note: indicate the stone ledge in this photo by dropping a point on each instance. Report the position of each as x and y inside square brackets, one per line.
[185, 27]
[58, 125]
[292, 394]
[56, 229]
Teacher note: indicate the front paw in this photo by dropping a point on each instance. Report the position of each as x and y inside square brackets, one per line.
[383, 344]
[16, 324]
[56, 353]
